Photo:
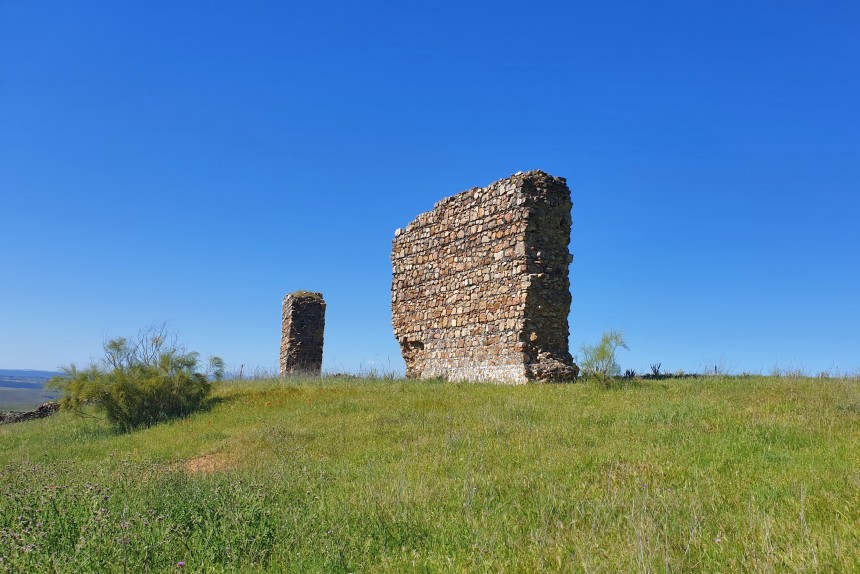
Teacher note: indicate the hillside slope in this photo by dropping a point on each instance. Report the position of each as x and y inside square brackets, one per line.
[728, 475]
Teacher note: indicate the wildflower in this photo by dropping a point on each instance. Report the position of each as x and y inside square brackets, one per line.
[180, 564]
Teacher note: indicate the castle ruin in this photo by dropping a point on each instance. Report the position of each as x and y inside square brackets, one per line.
[302, 333]
[480, 287]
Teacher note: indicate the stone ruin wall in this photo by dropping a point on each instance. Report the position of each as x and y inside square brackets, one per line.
[302, 333]
[44, 410]
[480, 287]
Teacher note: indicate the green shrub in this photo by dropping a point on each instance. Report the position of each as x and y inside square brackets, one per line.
[140, 382]
[599, 361]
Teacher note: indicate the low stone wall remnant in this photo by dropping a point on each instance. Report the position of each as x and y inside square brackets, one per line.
[480, 287]
[44, 410]
[302, 332]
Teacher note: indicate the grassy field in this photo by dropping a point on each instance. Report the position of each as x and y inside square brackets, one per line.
[707, 475]
[22, 399]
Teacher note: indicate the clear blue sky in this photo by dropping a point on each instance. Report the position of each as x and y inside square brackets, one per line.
[192, 162]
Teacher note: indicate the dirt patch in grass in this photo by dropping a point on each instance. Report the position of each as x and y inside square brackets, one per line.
[207, 464]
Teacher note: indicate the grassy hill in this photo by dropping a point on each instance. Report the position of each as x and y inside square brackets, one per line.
[706, 475]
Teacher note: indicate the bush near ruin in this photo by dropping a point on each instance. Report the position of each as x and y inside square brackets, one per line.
[599, 360]
[140, 382]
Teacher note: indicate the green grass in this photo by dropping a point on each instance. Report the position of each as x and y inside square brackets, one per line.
[707, 475]
[22, 400]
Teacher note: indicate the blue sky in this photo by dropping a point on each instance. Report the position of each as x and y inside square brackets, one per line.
[193, 162]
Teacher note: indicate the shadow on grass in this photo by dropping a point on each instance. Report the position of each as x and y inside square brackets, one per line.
[100, 427]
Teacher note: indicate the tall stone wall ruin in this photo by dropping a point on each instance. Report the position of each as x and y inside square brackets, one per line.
[480, 287]
[302, 331]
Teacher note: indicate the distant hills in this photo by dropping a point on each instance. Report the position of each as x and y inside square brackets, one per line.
[24, 378]
[27, 373]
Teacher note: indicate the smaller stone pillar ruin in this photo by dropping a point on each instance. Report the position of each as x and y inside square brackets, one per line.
[302, 334]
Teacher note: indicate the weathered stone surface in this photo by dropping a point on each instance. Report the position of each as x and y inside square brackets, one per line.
[44, 410]
[302, 333]
[480, 288]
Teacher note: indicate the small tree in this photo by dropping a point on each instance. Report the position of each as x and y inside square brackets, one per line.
[599, 360]
[216, 367]
[140, 382]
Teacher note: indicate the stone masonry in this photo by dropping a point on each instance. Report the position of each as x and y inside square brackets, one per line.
[480, 287]
[44, 410]
[302, 333]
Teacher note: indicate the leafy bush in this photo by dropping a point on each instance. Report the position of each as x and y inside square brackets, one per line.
[599, 360]
[140, 382]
